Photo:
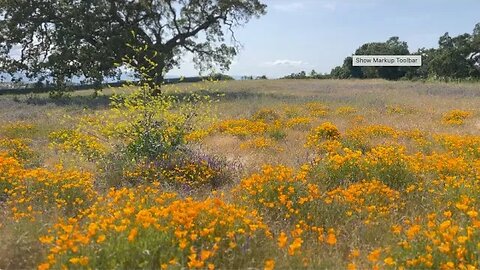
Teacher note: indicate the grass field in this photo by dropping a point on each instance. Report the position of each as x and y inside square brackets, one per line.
[284, 174]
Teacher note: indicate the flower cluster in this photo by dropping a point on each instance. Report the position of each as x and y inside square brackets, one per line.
[345, 110]
[455, 117]
[197, 135]
[442, 241]
[191, 174]
[299, 122]
[74, 141]
[326, 131]
[32, 192]
[317, 109]
[142, 227]
[266, 115]
[10, 171]
[17, 148]
[19, 129]
[260, 143]
[367, 199]
[362, 133]
[278, 191]
[242, 127]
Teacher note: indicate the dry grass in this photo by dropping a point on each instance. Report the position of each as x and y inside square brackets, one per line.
[424, 103]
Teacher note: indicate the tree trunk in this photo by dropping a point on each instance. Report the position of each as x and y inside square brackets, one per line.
[156, 85]
[154, 63]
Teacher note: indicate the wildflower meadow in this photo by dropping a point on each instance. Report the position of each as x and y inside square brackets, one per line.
[212, 175]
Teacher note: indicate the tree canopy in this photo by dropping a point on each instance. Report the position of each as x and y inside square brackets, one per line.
[90, 38]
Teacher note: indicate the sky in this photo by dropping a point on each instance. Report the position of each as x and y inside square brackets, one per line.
[301, 35]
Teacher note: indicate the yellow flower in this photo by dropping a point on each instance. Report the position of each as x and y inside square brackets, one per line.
[79, 260]
[133, 233]
[472, 213]
[282, 240]
[297, 244]
[351, 266]
[331, 238]
[444, 248]
[445, 225]
[374, 255]
[389, 261]
[101, 238]
[462, 239]
[269, 265]
[46, 239]
[205, 254]
[354, 253]
[44, 266]
[412, 231]
[396, 229]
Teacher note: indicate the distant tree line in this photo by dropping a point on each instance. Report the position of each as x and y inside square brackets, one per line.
[249, 78]
[303, 75]
[454, 59]
[451, 60]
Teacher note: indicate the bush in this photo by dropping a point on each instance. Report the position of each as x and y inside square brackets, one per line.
[278, 193]
[326, 131]
[390, 165]
[455, 117]
[266, 115]
[186, 170]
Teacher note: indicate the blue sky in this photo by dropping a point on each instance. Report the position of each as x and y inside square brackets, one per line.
[300, 35]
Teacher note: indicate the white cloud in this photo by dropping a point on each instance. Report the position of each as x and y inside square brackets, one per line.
[289, 6]
[285, 62]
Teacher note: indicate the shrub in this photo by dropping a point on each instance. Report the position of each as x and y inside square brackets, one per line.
[242, 127]
[317, 109]
[369, 200]
[299, 123]
[326, 131]
[278, 193]
[455, 117]
[390, 165]
[187, 170]
[339, 168]
[266, 115]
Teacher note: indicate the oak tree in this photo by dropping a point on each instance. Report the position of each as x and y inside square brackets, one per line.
[87, 38]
